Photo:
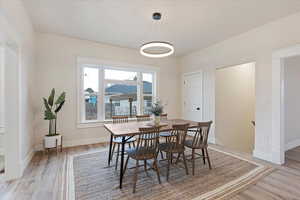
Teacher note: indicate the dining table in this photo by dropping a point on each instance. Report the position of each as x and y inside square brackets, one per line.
[131, 129]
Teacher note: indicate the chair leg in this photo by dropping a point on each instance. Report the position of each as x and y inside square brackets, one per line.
[207, 156]
[203, 155]
[185, 165]
[168, 167]
[112, 151]
[135, 175]
[162, 155]
[126, 163]
[157, 170]
[193, 161]
[129, 145]
[177, 160]
[145, 166]
[117, 159]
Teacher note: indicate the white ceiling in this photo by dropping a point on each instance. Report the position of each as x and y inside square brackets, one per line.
[189, 24]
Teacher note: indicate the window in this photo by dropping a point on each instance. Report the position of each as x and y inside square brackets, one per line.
[108, 91]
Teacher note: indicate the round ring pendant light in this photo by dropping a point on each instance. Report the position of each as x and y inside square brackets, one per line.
[157, 49]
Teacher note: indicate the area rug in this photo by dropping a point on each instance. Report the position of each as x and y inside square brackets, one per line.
[89, 178]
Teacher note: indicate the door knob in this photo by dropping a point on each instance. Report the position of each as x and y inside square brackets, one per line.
[197, 108]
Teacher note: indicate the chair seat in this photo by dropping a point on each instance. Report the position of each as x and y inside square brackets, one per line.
[171, 147]
[165, 134]
[189, 143]
[119, 140]
[142, 153]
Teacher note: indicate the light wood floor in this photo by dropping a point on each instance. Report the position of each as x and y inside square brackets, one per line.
[43, 179]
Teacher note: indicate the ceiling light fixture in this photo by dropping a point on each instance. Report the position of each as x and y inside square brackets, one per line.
[157, 49]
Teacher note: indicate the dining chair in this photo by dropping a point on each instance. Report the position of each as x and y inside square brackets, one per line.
[199, 141]
[175, 145]
[146, 149]
[117, 141]
[141, 118]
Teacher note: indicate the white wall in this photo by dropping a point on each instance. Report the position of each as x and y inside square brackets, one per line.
[18, 28]
[292, 102]
[57, 68]
[256, 45]
[235, 107]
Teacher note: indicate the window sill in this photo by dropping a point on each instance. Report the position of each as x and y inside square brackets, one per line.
[94, 124]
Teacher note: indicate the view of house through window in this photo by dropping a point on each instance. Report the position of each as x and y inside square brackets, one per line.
[113, 92]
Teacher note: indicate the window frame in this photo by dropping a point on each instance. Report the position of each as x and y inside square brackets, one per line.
[101, 66]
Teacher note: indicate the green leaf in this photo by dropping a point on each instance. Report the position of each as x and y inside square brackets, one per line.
[46, 104]
[59, 107]
[61, 98]
[49, 115]
[51, 97]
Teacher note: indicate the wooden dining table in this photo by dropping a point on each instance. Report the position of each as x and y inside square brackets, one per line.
[131, 129]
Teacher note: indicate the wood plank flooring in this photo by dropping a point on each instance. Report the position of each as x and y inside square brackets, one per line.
[44, 177]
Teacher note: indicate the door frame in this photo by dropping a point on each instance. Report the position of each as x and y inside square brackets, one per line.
[12, 118]
[278, 135]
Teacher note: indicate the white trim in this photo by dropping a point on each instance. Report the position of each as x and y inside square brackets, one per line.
[78, 142]
[262, 155]
[25, 162]
[277, 135]
[117, 65]
[293, 144]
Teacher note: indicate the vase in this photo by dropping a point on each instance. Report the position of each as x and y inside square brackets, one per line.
[156, 120]
[51, 141]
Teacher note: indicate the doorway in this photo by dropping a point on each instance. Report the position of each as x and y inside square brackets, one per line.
[193, 96]
[292, 108]
[2, 157]
[235, 107]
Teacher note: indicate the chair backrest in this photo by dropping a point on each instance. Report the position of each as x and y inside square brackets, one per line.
[178, 135]
[141, 118]
[164, 116]
[119, 119]
[201, 134]
[148, 139]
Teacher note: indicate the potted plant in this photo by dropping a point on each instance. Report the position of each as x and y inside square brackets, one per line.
[156, 109]
[52, 107]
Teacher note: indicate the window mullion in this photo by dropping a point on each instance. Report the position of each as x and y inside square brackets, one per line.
[140, 92]
[82, 95]
[101, 100]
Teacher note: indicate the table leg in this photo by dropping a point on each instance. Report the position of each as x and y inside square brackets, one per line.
[110, 145]
[122, 161]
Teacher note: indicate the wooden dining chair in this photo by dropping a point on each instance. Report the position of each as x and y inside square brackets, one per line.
[117, 141]
[146, 149]
[141, 118]
[175, 145]
[199, 141]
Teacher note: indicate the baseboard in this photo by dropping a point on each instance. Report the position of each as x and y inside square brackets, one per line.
[2, 130]
[212, 140]
[26, 161]
[72, 143]
[262, 155]
[293, 144]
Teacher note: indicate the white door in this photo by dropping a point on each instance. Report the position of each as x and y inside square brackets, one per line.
[192, 96]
